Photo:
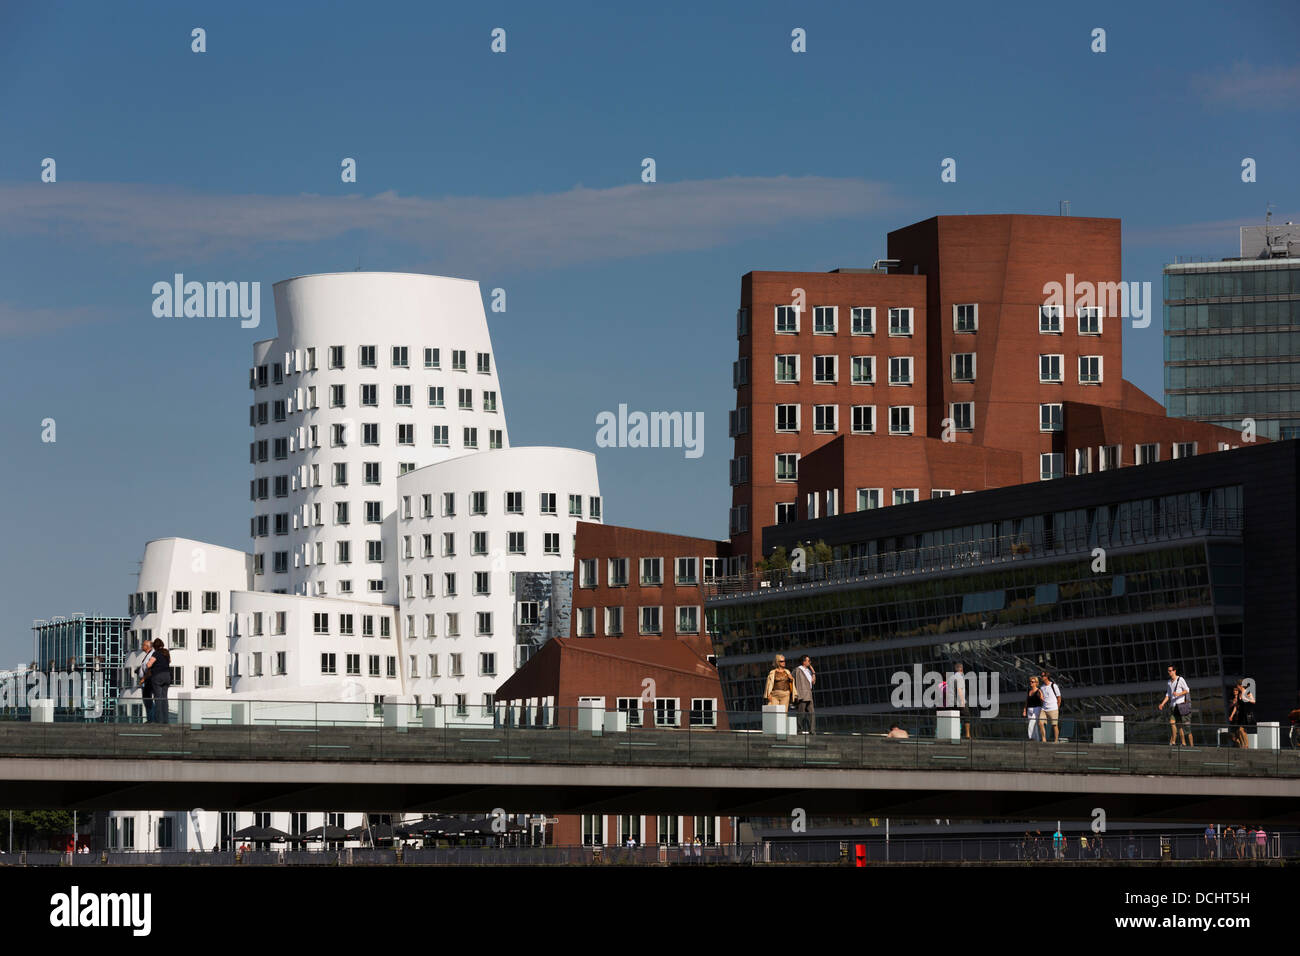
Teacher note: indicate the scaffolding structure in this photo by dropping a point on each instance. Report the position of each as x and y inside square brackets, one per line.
[93, 646]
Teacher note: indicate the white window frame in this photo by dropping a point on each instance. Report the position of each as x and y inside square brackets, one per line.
[777, 423]
[794, 456]
[1060, 368]
[855, 362]
[1046, 461]
[953, 366]
[911, 416]
[777, 314]
[1049, 315]
[819, 310]
[899, 311]
[776, 369]
[975, 317]
[907, 365]
[853, 424]
[862, 311]
[880, 497]
[952, 413]
[1090, 380]
[1089, 312]
[897, 492]
[824, 429]
[1058, 418]
[819, 361]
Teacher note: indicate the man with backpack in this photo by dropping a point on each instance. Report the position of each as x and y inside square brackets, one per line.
[1179, 698]
[1051, 705]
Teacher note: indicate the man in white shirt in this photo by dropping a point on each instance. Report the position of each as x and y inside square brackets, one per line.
[1179, 698]
[142, 678]
[1051, 704]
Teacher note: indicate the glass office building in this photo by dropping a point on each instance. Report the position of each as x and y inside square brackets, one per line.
[1232, 338]
[1102, 579]
[93, 647]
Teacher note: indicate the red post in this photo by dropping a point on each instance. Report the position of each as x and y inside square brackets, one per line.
[860, 854]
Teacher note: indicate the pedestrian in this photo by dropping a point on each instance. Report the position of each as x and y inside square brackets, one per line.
[1229, 841]
[160, 676]
[1051, 705]
[1245, 715]
[1242, 846]
[1294, 718]
[1179, 698]
[1033, 709]
[780, 684]
[1097, 845]
[1261, 843]
[1058, 844]
[959, 698]
[896, 732]
[1132, 847]
[142, 679]
[1209, 842]
[1083, 845]
[805, 676]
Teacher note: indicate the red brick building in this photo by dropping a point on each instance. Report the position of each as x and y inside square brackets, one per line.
[662, 685]
[985, 331]
[631, 583]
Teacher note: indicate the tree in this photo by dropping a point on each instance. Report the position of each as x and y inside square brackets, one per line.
[46, 826]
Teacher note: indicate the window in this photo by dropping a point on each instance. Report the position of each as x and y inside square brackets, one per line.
[178, 638]
[1051, 465]
[617, 575]
[336, 396]
[551, 542]
[587, 573]
[528, 613]
[343, 552]
[1082, 461]
[685, 571]
[1051, 418]
[900, 321]
[1090, 320]
[548, 503]
[787, 319]
[900, 370]
[963, 367]
[483, 622]
[1147, 454]
[281, 662]
[406, 434]
[863, 370]
[402, 395]
[825, 418]
[965, 318]
[484, 363]
[441, 435]
[1184, 449]
[478, 502]
[400, 357]
[328, 664]
[786, 511]
[436, 393]
[575, 506]
[353, 664]
[787, 467]
[652, 571]
[1049, 368]
[203, 677]
[370, 395]
[372, 665]
[211, 602]
[465, 398]
[740, 372]
[742, 323]
[515, 542]
[1089, 369]
[666, 712]
[688, 620]
[1049, 319]
[632, 707]
[900, 419]
[824, 320]
[1108, 457]
[371, 473]
[479, 542]
[482, 582]
[586, 621]
[704, 712]
[367, 356]
[613, 621]
[449, 584]
[904, 496]
[868, 498]
[864, 419]
[432, 358]
[320, 623]
[863, 320]
[336, 356]
[787, 418]
[825, 369]
[489, 401]
[453, 625]
[471, 437]
[787, 368]
[494, 437]
[181, 601]
[963, 416]
[514, 502]
[593, 507]
[650, 620]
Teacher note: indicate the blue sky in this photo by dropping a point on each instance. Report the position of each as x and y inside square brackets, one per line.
[522, 170]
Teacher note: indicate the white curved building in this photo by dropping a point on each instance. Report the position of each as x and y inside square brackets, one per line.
[467, 529]
[371, 374]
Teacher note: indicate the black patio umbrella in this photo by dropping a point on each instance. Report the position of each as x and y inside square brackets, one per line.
[378, 831]
[326, 833]
[261, 834]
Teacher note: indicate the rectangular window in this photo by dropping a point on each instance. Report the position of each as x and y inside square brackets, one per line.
[593, 507]
[327, 664]
[1147, 454]
[1051, 417]
[1089, 369]
[652, 571]
[548, 503]
[787, 320]
[685, 571]
[441, 435]
[900, 321]
[484, 363]
[1049, 368]
[869, 498]
[575, 506]
[551, 543]
[900, 370]
[787, 418]
[963, 416]
[824, 320]
[963, 367]
[787, 368]
[586, 621]
[436, 399]
[1051, 465]
[1184, 449]
[368, 356]
[826, 418]
[864, 419]
[1049, 319]
[432, 358]
[704, 712]
[864, 320]
[400, 357]
[1108, 457]
[825, 369]
[515, 542]
[587, 573]
[458, 360]
[900, 419]
[904, 496]
[787, 467]
[613, 621]
[688, 620]
[666, 713]
[336, 356]
[471, 437]
[863, 370]
[965, 318]
[1090, 320]
[617, 575]
[650, 620]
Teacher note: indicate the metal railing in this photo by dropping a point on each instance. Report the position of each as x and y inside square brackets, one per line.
[341, 733]
[980, 552]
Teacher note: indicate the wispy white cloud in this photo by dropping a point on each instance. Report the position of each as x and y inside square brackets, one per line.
[1247, 86]
[535, 231]
[21, 322]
